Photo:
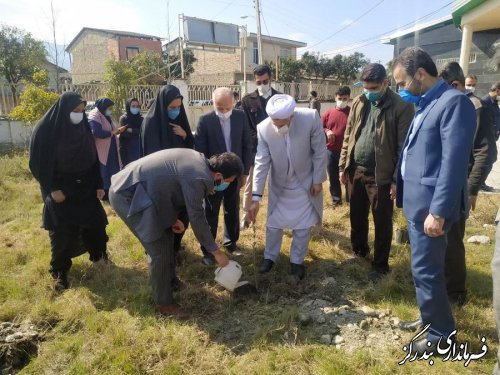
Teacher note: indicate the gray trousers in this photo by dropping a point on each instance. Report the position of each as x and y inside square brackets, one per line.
[495, 271]
[298, 250]
[160, 253]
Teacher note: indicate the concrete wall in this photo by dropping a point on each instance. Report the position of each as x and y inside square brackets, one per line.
[13, 134]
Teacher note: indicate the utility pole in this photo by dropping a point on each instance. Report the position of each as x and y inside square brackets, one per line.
[181, 44]
[244, 47]
[168, 38]
[259, 34]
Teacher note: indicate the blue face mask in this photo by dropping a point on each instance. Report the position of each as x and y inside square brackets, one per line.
[222, 186]
[135, 111]
[174, 113]
[108, 112]
[408, 97]
[373, 96]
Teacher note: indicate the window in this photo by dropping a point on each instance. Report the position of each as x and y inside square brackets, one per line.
[255, 55]
[285, 53]
[131, 52]
[440, 63]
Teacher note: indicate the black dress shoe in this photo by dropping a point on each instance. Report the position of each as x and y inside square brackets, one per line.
[423, 345]
[233, 249]
[411, 325]
[61, 282]
[298, 270]
[208, 259]
[266, 266]
[457, 299]
[177, 284]
[362, 253]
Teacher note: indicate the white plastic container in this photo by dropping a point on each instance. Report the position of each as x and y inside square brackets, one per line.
[228, 276]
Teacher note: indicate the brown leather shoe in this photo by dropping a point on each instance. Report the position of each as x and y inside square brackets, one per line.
[173, 310]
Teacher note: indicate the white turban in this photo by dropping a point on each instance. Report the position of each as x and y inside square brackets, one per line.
[280, 106]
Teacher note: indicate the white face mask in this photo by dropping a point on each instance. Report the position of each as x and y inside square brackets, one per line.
[264, 89]
[224, 115]
[283, 130]
[341, 104]
[76, 117]
[470, 88]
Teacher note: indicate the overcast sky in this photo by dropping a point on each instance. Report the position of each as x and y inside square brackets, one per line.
[327, 26]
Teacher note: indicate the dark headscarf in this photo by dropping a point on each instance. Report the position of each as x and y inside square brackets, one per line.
[102, 104]
[133, 121]
[156, 133]
[57, 145]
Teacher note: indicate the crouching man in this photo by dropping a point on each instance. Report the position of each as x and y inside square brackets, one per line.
[151, 193]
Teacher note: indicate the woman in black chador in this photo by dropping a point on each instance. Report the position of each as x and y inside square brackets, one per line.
[166, 126]
[63, 159]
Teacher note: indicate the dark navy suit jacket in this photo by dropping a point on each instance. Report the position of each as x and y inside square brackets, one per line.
[437, 160]
[209, 138]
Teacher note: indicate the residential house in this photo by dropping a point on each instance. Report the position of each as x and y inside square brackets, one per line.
[91, 48]
[224, 65]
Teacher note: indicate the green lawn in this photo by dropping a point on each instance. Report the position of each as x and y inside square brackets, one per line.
[106, 324]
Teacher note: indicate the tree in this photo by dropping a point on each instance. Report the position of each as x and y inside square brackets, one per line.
[118, 75]
[20, 56]
[311, 63]
[327, 67]
[175, 59]
[388, 69]
[290, 70]
[149, 68]
[35, 100]
[350, 67]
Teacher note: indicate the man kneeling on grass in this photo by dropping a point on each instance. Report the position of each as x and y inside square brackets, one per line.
[150, 193]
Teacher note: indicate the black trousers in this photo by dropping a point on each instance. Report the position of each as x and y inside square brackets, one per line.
[231, 199]
[183, 216]
[333, 174]
[65, 240]
[455, 268]
[364, 193]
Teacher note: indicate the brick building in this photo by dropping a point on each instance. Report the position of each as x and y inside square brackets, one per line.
[224, 66]
[92, 47]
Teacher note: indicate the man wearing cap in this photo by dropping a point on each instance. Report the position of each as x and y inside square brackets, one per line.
[292, 145]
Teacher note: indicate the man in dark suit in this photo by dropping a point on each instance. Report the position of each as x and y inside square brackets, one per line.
[491, 101]
[254, 105]
[484, 138]
[150, 196]
[432, 182]
[222, 130]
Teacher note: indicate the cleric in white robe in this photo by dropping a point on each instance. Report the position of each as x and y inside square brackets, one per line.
[292, 146]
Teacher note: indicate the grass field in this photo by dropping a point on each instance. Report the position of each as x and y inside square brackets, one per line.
[106, 324]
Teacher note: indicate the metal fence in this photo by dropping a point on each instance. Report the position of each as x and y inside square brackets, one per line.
[201, 95]
[198, 95]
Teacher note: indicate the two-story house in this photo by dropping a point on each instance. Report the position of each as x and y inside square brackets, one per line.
[224, 66]
[91, 48]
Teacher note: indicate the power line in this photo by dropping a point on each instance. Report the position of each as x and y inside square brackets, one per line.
[349, 24]
[267, 30]
[375, 38]
[223, 9]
